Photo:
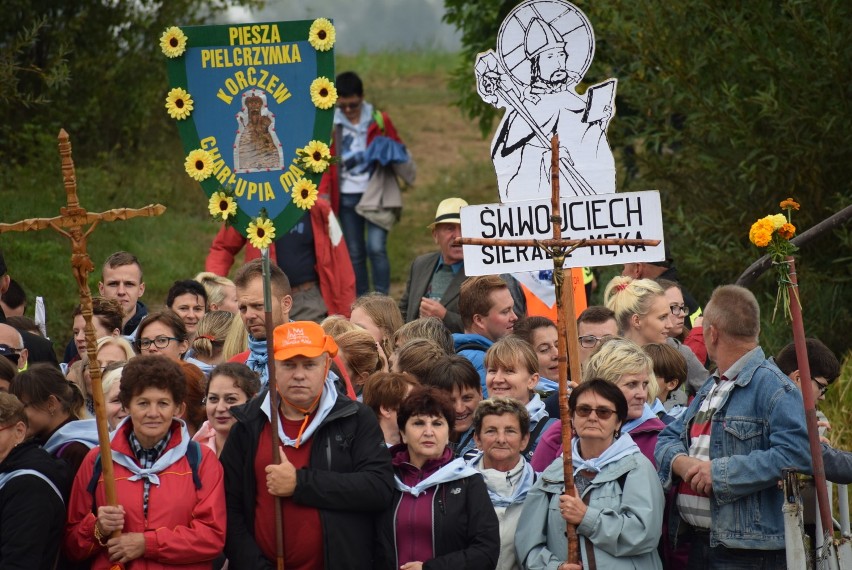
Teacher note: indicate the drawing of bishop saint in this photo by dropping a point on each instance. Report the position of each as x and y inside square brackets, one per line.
[544, 48]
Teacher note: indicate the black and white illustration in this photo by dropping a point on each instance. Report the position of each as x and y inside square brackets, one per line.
[544, 48]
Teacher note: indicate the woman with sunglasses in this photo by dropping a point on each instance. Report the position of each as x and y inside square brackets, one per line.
[617, 505]
[623, 363]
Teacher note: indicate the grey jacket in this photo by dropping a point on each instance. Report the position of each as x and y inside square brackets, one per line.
[419, 278]
[623, 524]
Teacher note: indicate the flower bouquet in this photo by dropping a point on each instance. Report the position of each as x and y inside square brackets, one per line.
[774, 232]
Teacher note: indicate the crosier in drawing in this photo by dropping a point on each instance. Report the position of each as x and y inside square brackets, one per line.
[544, 48]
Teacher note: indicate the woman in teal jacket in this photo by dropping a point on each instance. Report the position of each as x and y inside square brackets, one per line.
[619, 508]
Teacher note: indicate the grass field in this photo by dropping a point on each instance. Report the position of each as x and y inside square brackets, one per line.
[452, 160]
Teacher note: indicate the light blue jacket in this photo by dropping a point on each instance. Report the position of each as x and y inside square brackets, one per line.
[623, 524]
[758, 431]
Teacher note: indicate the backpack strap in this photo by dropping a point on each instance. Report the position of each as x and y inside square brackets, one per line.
[193, 455]
[534, 435]
[20, 472]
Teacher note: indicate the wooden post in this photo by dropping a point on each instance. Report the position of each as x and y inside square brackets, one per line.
[273, 402]
[564, 316]
[809, 403]
[73, 217]
[566, 322]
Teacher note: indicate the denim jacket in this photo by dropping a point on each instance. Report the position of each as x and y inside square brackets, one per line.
[758, 431]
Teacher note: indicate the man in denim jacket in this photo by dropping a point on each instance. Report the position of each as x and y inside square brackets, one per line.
[726, 453]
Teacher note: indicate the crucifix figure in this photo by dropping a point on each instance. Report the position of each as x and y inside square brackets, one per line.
[72, 223]
[566, 325]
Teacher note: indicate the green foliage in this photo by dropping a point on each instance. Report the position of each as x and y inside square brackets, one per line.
[98, 65]
[478, 22]
[172, 246]
[838, 402]
[22, 82]
[726, 109]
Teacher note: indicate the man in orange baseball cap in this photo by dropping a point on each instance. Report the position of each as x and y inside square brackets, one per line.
[335, 475]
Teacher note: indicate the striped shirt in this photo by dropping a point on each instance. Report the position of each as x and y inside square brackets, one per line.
[695, 507]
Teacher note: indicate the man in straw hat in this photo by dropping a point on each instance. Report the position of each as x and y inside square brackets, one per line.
[335, 473]
[435, 278]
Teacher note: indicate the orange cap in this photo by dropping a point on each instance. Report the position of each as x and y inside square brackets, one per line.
[301, 338]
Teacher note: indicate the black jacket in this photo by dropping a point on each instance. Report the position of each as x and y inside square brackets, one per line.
[32, 515]
[350, 482]
[465, 529]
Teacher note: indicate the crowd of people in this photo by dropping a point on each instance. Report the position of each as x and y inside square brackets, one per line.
[418, 434]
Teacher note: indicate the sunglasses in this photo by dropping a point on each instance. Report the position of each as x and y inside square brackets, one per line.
[586, 411]
[12, 353]
[348, 106]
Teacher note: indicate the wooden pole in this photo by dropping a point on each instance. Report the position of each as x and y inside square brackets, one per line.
[809, 403]
[566, 324]
[564, 315]
[72, 218]
[273, 402]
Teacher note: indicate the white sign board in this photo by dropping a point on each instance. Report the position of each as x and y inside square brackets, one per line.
[626, 215]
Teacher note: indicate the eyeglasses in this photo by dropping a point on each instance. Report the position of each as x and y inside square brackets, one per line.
[586, 411]
[823, 388]
[678, 310]
[591, 341]
[159, 342]
[4, 428]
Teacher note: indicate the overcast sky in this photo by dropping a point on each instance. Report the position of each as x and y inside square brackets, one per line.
[370, 25]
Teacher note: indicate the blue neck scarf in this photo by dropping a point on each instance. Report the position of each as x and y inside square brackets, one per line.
[621, 447]
[522, 487]
[630, 425]
[258, 359]
[165, 460]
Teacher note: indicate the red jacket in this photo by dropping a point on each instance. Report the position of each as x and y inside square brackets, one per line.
[329, 188]
[334, 267]
[185, 526]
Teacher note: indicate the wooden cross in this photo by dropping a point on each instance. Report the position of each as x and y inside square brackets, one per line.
[566, 322]
[71, 223]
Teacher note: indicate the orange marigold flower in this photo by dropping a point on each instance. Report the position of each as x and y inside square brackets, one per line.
[789, 204]
[787, 231]
[761, 232]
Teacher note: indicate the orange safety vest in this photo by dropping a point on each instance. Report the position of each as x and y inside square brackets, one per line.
[539, 308]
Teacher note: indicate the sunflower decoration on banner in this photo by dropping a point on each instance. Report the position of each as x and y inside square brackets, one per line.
[774, 233]
[261, 232]
[222, 206]
[254, 107]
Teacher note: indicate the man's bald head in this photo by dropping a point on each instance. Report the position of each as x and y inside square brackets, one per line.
[12, 338]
